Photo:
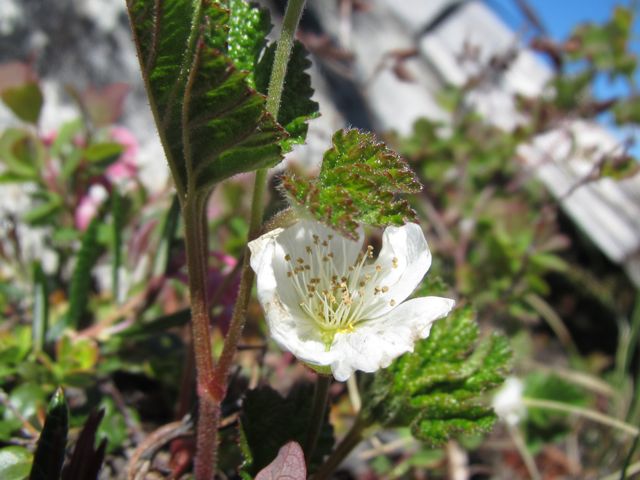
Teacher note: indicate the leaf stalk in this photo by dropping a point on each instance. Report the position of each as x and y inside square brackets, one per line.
[212, 382]
[344, 448]
[274, 94]
[318, 413]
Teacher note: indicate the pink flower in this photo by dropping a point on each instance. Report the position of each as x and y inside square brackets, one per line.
[125, 167]
[89, 205]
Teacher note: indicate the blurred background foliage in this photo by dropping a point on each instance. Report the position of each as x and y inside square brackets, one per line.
[98, 305]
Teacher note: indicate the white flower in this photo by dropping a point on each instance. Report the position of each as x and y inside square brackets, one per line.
[507, 402]
[334, 309]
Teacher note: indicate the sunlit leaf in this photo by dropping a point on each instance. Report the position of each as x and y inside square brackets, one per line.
[436, 390]
[15, 463]
[359, 182]
[199, 96]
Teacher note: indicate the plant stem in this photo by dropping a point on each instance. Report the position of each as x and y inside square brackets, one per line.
[583, 412]
[348, 443]
[208, 406]
[521, 446]
[212, 383]
[283, 51]
[274, 95]
[318, 411]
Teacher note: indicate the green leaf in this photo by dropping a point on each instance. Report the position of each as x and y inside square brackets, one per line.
[296, 108]
[24, 101]
[63, 143]
[118, 207]
[249, 26]
[359, 182]
[192, 83]
[104, 152]
[114, 428]
[269, 421]
[161, 262]
[436, 390]
[22, 154]
[44, 213]
[15, 463]
[81, 278]
[27, 399]
[40, 307]
[50, 452]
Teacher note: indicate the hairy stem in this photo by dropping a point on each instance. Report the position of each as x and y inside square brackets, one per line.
[318, 411]
[274, 95]
[208, 413]
[212, 383]
[348, 443]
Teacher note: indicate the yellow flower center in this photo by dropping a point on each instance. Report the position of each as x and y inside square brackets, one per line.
[334, 297]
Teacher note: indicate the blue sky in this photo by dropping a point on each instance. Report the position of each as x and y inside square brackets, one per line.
[560, 17]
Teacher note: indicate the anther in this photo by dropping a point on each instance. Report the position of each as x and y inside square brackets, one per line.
[385, 289]
[392, 303]
[287, 257]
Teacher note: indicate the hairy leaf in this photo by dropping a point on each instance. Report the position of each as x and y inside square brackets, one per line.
[269, 421]
[359, 182]
[81, 278]
[193, 83]
[436, 389]
[248, 29]
[49, 455]
[296, 108]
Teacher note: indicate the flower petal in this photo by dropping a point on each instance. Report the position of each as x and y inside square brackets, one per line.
[305, 234]
[403, 261]
[289, 327]
[376, 343]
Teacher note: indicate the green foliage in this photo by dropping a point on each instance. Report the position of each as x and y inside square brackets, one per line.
[40, 308]
[359, 182]
[25, 101]
[248, 28]
[15, 463]
[212, 123]
[269, 421]
[296, 107]
[81, 279]
[606, 46]
[50, 452]
[22, 155]
[544, 426]
[501, 247]
[436, 390]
